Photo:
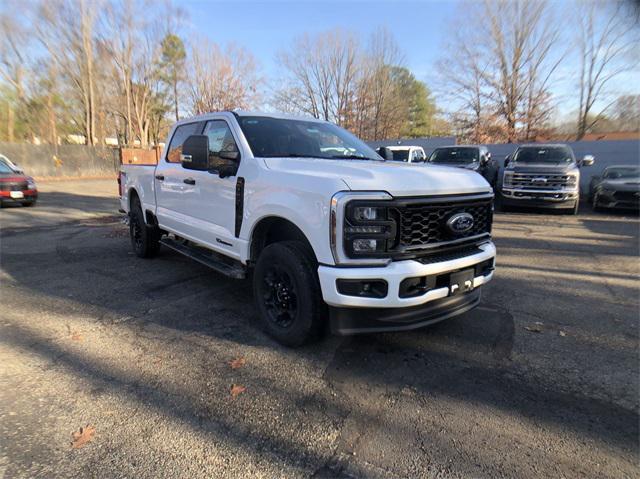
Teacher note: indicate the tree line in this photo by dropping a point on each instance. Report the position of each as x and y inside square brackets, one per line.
[93, 70]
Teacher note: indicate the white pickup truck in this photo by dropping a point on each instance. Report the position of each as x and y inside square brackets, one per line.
[334, 236]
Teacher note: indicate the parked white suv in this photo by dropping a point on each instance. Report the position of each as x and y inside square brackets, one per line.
[408, 154]
[333, 234]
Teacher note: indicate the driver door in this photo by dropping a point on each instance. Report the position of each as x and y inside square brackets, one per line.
[210, 203]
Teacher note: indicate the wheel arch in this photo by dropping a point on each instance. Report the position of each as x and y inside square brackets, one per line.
[273, 229]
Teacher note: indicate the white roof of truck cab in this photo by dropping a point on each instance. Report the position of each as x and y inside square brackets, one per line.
[283, 116]
[402, 147]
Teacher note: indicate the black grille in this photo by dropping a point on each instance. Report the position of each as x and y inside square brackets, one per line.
[14, 186]
[422, 225]
[630, 196]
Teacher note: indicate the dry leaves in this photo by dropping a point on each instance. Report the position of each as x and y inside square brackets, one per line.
[83, 436]
[236, 389]
[238, 363]
[535, 328]
[563, 334]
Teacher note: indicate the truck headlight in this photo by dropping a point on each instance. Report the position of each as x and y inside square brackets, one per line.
[507, 177]
[362, 229]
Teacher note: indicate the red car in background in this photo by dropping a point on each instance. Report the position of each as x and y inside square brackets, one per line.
[16, 187]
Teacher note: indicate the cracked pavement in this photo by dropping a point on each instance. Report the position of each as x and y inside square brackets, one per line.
[140, 349]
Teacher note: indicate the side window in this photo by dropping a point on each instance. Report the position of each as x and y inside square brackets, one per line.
[181, 134]
[220, 141]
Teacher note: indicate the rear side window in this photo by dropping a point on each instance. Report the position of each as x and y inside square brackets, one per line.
[181, 134]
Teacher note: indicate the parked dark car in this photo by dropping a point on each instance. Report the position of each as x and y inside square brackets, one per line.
[16, 187]
[476, 158]
[617, 187]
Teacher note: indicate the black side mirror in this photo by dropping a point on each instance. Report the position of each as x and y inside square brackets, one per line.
[484, 160]
[195, 153]
[385, 153]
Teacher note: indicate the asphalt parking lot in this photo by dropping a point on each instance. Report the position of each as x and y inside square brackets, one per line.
[541, 381]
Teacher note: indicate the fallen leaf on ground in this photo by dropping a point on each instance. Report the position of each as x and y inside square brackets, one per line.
[562, 333]
[536, 328]
[83, 436]
[238, 363]
[237, 389]
[76, 336]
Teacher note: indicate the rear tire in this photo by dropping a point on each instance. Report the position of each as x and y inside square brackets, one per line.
[145, 240]
[29, 203]
[287, 293]
[594, 203]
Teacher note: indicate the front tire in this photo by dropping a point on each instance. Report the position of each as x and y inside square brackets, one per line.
[287, 293]
[145, 240]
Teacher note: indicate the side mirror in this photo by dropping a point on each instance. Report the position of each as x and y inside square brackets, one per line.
[195, 153]
[385, 153]
[227, 170]
[229, 155]
[587, 160]
[484, 160]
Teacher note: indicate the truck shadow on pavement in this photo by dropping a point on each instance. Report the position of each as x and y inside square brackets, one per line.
[467, 359]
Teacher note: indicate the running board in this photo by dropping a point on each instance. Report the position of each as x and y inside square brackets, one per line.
[208, 258]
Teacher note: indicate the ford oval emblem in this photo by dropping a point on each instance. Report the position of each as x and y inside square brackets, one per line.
[460, 223]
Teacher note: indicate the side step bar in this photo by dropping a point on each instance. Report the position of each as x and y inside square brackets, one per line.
[208, 258]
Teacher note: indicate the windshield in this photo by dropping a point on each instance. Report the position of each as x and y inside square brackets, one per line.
[4, 168]
[454, 155]
[619, 173]
[400, 155]
[544, 154]
[275, 137]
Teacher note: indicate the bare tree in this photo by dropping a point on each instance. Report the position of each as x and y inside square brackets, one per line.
[12, 61]
[504, 66]
[67, 30]
[605, 40]
[221, 80]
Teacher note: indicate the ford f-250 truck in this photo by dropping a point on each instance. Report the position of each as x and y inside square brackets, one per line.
[331, 233]
[545, 176]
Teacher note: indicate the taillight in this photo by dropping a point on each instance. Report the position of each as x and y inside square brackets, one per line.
[120, 183]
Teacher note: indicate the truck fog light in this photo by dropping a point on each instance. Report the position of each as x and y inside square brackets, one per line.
[367, 288]
[365, 245]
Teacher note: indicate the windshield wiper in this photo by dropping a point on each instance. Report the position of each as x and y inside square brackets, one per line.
[355, 157]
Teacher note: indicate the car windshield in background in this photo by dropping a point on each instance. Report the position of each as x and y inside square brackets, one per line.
[400, 155]
[276, 138]
[4, 168]
[622, 173]
[542, 154]
[454, 155]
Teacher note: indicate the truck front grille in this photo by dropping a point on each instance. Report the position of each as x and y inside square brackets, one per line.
[539, 181]
[14, 186]
[424, 225]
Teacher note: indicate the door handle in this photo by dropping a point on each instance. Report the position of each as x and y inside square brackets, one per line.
[189, 181]
[160, 177]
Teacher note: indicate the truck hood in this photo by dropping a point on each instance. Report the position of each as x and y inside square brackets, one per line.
[542, 167]
[396, 178]
[473, 166]
[628, 184]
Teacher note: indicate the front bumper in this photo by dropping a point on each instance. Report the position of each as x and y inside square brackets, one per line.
[608, 199]
[346, 321]
[394, 273]
[19, 196]
[564, 198]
